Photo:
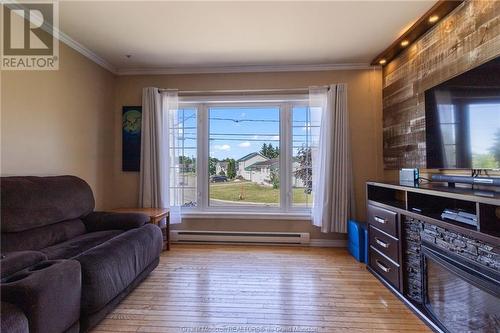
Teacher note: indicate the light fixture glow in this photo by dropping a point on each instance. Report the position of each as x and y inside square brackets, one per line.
[433, 19]
[405, 43]
[382, 61]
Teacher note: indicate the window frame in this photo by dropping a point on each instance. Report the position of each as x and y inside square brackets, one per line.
[285, 103]
[179, 166]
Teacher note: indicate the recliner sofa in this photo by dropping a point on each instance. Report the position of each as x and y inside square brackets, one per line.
[64, 266]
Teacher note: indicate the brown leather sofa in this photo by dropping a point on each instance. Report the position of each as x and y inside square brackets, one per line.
[64, 266]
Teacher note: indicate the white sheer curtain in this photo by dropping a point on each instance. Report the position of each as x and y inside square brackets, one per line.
[159, 156]
[172, 147]
[333, 196]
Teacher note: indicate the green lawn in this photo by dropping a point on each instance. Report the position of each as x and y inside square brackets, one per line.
[251, 192]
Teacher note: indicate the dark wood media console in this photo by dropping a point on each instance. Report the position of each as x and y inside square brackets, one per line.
[404, 221]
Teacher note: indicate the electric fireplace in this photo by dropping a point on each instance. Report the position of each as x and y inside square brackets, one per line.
[460, 295]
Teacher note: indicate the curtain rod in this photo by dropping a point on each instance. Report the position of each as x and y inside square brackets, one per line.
[242, 91]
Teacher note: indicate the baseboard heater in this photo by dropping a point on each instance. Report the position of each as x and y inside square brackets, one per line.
[188, 236]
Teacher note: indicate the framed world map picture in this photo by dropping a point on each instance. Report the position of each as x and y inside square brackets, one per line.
[131, 138]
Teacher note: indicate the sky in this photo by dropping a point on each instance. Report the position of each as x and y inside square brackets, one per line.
[238, 131]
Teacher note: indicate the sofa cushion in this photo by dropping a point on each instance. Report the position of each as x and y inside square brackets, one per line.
[12, 262]
[98, 221]
[78, 245]
[13, 319]
[110, 267]
[31, 202]
[39, 238]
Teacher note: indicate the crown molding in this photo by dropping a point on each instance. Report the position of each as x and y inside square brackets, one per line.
[86, 52]
[243, 69]
[64, 38]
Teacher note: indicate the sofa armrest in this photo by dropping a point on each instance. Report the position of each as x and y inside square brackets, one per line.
[12, 262]
[13, 319]
[98, 221]
[48, 294]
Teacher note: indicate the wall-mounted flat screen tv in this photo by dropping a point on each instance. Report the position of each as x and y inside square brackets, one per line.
[462, 117]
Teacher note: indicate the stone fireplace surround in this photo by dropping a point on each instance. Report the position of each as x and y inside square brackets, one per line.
[415, 231]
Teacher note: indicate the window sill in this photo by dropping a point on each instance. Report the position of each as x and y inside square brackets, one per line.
[247, 216]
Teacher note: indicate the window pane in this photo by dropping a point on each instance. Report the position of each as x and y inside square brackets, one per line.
[244, 156]
[183, 146]
[305, 130]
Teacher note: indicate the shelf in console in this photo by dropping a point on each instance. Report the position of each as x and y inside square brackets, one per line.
[489, 218]
[433, 206]
[436, 198]
[481, 196]
[388, 196]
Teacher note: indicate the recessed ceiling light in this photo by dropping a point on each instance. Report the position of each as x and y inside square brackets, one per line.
[405, 43]
[382, 61]
[433, 19]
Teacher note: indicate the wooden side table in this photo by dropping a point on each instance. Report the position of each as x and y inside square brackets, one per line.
[155, 217]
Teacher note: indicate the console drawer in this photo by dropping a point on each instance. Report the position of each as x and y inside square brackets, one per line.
[386, 244]
[383, 219]
[384, 267]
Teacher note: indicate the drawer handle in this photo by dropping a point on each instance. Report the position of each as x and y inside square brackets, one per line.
[380, 220]
[382, 266]
[382, 243]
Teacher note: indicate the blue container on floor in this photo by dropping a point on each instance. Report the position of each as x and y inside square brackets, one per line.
[357, 236]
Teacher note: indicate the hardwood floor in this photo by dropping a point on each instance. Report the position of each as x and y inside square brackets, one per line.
[218, 288]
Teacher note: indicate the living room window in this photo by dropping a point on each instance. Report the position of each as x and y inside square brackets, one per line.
[246, 154]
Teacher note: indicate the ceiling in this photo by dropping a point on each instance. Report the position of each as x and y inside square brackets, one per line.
[186, 34]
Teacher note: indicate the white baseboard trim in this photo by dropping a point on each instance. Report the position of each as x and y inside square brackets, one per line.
[316, 242]
[312, 243]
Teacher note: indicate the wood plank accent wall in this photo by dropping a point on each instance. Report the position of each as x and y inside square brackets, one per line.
[466, 38]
